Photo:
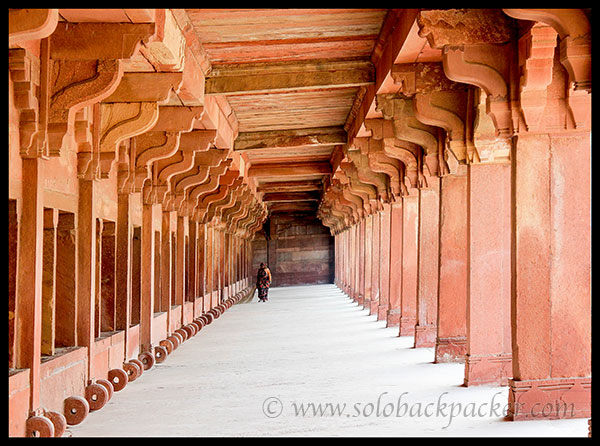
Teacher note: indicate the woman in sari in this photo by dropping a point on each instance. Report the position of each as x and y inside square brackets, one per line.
[263, 281]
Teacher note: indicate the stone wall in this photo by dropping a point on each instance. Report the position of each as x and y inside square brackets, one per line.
[299, 250]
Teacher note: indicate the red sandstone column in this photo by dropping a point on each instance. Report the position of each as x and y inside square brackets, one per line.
[123, 268]
[375, 265]
[49, 282]
[192, 263]
[29, 279]
[208, 264]
[427, 269]
[200, 275]
[451, 339]
[356, 251]
[336, 256]
[384, 262]
[410, 221]
[348, 247]
[86, 268]
[393, 314]
[147, 278]
[222, 267]
[357, 262]
[180, 265]
[165, 265]
[488, 358]
[551, 294]
[361, 262]
[352, 256]
[368, 253]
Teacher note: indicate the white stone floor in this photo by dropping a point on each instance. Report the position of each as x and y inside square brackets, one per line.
[309, 362]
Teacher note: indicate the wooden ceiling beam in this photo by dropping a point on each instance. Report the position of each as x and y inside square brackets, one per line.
[289, 169]
[316, 136]
[291, 196]
[299, 206]
[282, 77]
[290, 186]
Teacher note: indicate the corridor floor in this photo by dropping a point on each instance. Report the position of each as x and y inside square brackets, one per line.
[309, 362]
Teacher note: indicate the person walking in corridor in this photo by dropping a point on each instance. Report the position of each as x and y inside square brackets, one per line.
[263, 282]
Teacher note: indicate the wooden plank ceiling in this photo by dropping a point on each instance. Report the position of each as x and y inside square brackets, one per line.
[291, 77]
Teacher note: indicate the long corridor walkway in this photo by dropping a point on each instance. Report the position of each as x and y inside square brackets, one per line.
[309, 362]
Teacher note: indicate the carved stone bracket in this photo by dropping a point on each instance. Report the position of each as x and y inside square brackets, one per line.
[363, 195]
[85, 68]
[477, 47]
[166, 168]
[410, 155]
[30, 24]
[149, 147]
[146, 87]
[366, 175]
[75, 84]
[406, 125]
[366, 191]
[195, 193]
[487, 67]
[380, 162]
[216, 207]
[225, 182]
[119, 121]
[440, 102]
[203, 161]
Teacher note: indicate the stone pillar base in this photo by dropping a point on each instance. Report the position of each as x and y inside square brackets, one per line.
[550, 399]
[393, 317]
[450, 349]
[366, 304]
[425, 336]
[360, 299]
[407, 326]
[488, 370]
[374, 307]
[382, 312]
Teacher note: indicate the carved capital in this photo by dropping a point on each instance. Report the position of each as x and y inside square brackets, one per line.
[575, 34]
[124, 174]
[488, 146]
[24, 70]
[536, 60]
[87, 166]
